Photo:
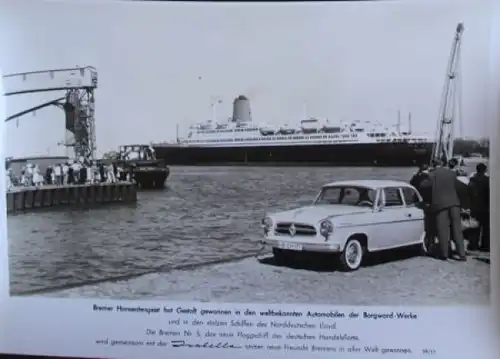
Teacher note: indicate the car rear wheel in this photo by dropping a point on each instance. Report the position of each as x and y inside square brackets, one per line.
[352, 255]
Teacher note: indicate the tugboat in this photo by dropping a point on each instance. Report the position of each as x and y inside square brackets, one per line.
[146, 170]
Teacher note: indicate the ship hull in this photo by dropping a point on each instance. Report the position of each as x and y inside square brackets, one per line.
[376, 154]
[147, 174]
[151, 178]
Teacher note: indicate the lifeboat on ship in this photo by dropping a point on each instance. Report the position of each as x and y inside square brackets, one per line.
[356, 127]
[222, 126]
[332, 127]
[206, 126]
[311, 125]
[287, 130]
[267, 130]
[241, 124]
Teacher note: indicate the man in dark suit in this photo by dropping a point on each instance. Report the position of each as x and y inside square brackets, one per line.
[445, 208]
[422, 173]
[416, 181]
[480, 207]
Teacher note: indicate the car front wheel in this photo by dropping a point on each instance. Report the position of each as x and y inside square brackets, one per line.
[352, 255]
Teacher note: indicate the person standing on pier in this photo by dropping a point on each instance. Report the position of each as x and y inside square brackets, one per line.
[102, 178]
[115, 170]
[29, 175]
[71, 175]
[57, 174]
[445, 208]
[480, 209]
[48, 175]
[92, 172]
[65, 169]
[110, 174]
[76, 171]
[23, 177]
[53, 174]
[9, 178]
[82, 175]
[120, 177]
[37, 177]
[61, 179]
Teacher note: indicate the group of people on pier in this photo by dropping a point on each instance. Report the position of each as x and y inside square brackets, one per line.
[67, 173]
[455, 207]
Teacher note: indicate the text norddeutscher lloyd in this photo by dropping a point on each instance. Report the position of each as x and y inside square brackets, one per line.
[246, 329]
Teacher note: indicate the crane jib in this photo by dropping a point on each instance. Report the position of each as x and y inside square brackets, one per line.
[450, 103]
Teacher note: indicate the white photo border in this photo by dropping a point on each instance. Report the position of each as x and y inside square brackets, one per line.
[70, 327]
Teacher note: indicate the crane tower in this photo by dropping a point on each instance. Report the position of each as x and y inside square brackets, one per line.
[78, 102]
[450, 103]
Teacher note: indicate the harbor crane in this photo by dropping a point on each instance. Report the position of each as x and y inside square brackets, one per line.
[450, 103]
[78, 103]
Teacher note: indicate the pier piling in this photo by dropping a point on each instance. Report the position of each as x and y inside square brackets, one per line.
[89, 195]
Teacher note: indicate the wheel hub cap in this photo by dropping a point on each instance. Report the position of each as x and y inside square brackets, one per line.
[352, 254]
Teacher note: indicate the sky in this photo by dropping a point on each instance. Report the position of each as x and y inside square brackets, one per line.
[162, 64]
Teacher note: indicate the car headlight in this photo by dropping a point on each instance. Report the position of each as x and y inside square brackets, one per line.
[325, 228]
[267, 224]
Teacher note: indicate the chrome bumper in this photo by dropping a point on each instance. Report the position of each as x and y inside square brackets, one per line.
[326, 247]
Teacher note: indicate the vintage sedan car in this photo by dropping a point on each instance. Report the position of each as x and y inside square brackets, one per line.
[349, 218]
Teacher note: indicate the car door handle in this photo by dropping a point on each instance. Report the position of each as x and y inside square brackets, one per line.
[408, 215]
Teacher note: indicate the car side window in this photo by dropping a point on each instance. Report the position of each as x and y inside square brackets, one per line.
[330, 195]
[393, 197]
[410, 196]
[351, 196]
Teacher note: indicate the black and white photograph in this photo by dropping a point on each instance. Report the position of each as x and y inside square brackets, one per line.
[319, 153]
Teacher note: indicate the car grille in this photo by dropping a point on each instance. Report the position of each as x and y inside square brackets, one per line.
[300, 229]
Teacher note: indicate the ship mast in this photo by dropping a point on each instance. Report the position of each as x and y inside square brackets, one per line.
[443, 148]
[398, 127]
[409, 123]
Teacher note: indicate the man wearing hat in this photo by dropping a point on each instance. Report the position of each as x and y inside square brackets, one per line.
[429, 225]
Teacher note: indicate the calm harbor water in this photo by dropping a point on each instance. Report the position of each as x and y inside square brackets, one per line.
[205, 214]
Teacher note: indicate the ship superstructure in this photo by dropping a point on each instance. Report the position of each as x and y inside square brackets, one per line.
[312, 140]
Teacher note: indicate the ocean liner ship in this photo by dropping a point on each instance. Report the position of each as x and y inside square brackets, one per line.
[314, 142]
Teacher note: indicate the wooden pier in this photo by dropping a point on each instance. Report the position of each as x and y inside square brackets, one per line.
[23, 199]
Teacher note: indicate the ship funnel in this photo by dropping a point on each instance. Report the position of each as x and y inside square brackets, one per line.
[241, 109]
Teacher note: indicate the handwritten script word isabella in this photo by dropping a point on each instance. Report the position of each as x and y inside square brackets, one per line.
[218, 345]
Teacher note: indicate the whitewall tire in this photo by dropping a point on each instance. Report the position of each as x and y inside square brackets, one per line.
[352, 255]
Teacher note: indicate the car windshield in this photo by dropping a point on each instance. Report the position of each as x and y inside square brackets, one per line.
[346, 195]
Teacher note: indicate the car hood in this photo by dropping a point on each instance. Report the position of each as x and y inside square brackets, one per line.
[315, 213]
